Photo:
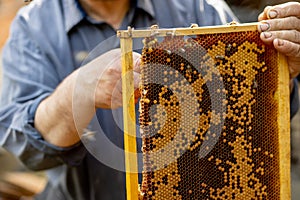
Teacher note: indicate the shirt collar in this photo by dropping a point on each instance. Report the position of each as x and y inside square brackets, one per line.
[147, 6]
[73, 12]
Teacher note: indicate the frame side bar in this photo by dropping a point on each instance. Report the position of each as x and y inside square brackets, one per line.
[284, 128]
[129, 119]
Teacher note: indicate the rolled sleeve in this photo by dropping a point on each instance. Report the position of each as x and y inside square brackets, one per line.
[29, 76]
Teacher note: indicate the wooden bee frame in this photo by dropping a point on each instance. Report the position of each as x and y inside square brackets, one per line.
[282, 119]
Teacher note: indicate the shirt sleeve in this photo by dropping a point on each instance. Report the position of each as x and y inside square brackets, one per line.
[29, 77]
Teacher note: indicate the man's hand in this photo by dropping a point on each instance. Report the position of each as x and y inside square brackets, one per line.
[70, 108]
[102, 78]
[280, 25]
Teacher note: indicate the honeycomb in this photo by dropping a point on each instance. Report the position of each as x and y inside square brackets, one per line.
[208, 117]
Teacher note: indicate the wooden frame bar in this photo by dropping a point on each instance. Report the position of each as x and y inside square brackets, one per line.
[284, 130]
[282, 95]
[129, 119]
[187, 31]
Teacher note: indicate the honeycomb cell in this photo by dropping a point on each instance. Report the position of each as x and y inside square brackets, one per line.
[209, 118]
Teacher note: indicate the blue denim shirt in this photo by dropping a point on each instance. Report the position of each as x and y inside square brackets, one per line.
[48, 41]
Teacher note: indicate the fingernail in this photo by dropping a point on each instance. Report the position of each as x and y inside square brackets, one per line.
[264, 26]
[280, 42]
[272, 14]
[267, 34]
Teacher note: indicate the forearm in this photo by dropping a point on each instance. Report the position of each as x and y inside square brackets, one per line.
[62, 117]
[60, 122]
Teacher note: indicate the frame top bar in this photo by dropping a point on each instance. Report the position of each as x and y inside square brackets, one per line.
[193, 30]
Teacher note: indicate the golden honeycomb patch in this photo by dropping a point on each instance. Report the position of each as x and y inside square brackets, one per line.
[209, 117]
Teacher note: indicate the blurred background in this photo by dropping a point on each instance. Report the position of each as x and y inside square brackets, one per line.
[248, 10]
[16, 181]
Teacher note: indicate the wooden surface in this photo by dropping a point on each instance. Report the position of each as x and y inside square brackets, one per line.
[129, 120]
[282, 94]
[284, 128]
[188, 31]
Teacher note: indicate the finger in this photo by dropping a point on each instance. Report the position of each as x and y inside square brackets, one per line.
[116, 99]
[102, 101]
[136, 62]
[116, 103]
[118, 86]
[280, 11]
[264, 15]
[291, 50]
[288, 23]
[290, 35]
[113, 57]
[284, 10]
[136, 59]
[286, 47]
[109, 79]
